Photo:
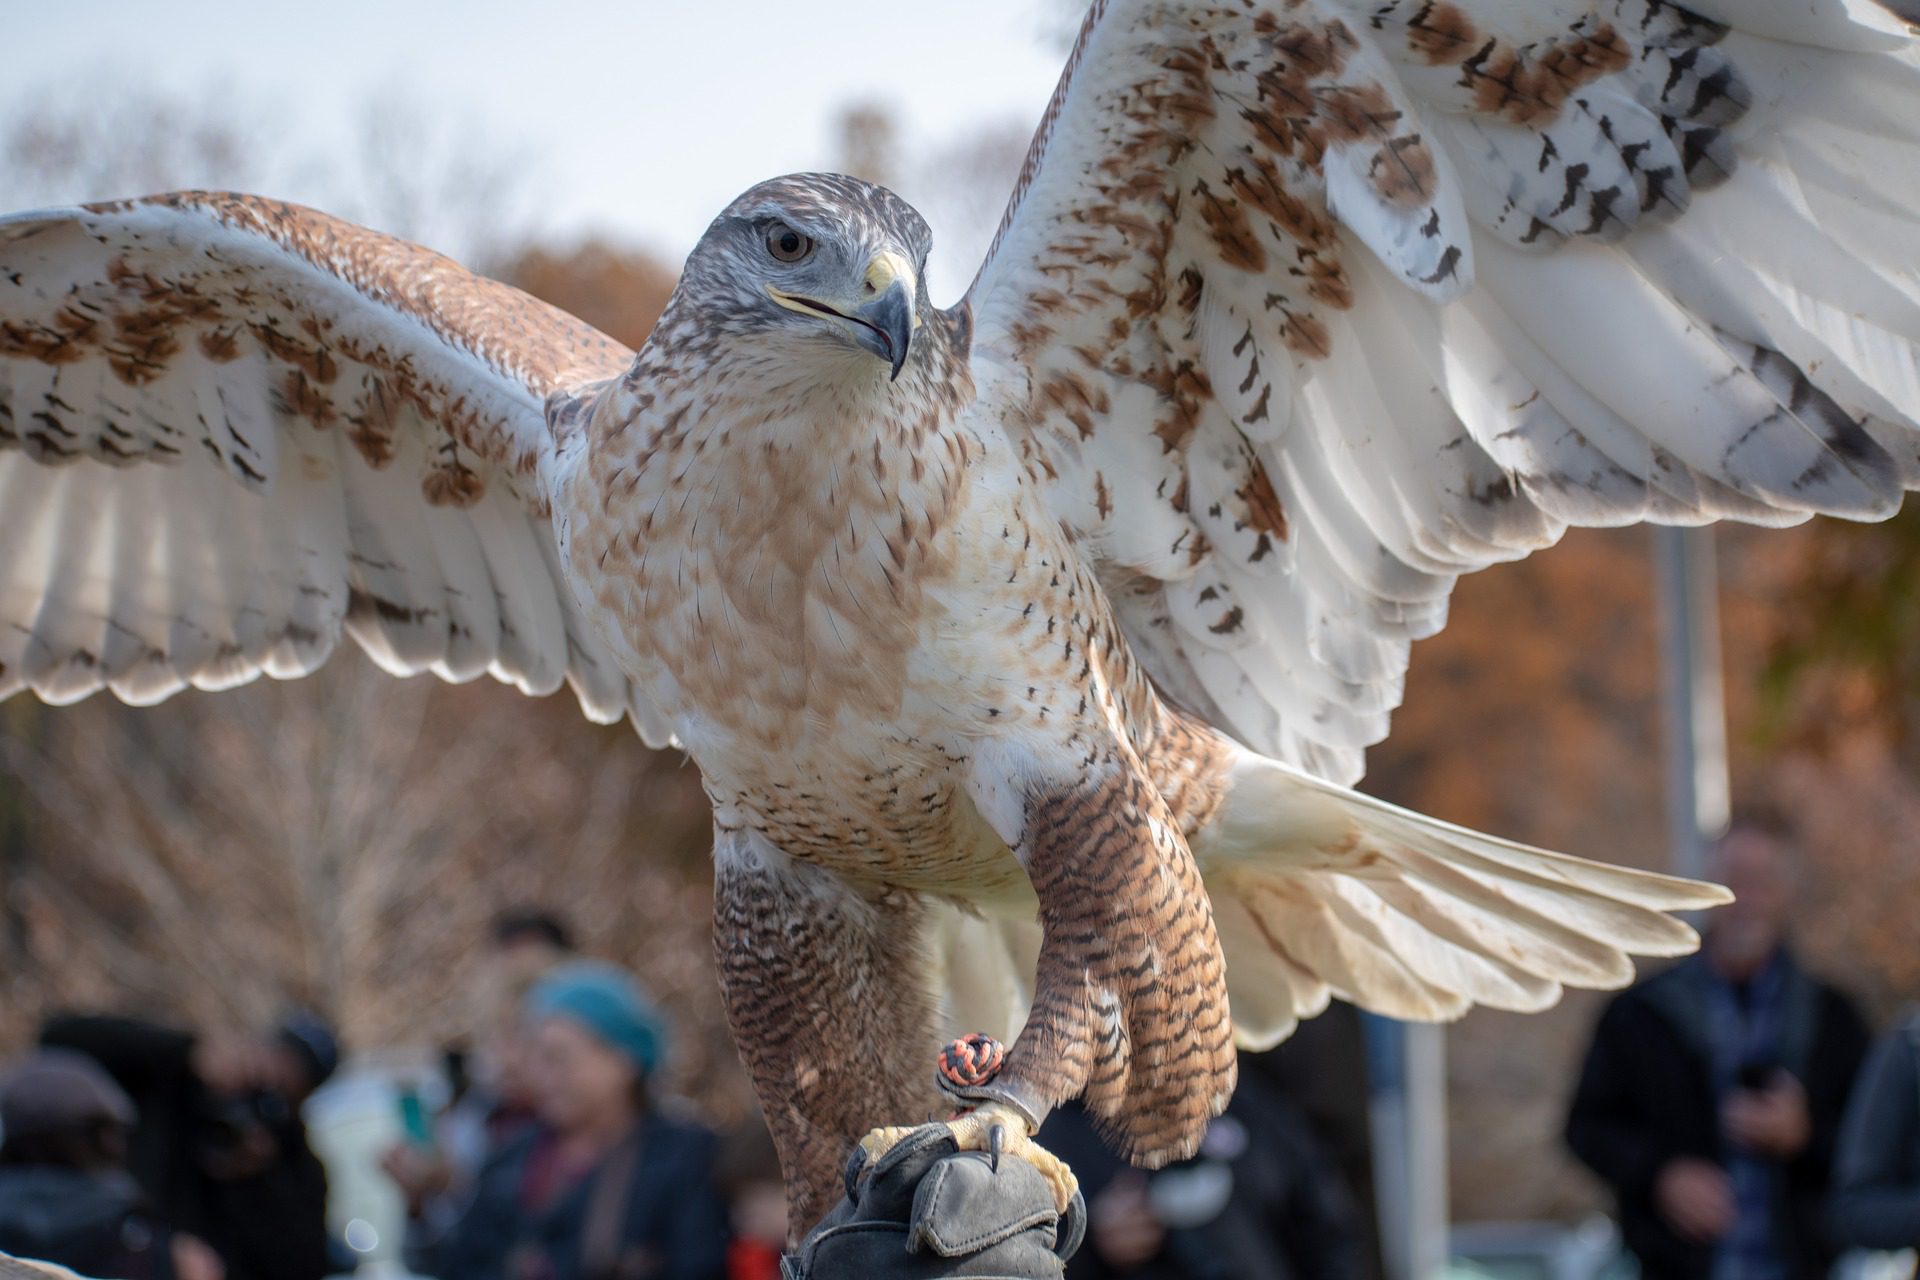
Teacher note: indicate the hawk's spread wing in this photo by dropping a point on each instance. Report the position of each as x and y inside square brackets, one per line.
[1325, 303]
[230, 427]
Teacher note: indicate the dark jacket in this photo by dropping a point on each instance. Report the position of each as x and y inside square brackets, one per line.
[270, 1225]
[1876, 1172]
[94, 1223]
[667, 1222]
[1646, 1096]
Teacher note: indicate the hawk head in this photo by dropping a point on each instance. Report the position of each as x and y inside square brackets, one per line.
[820, 265]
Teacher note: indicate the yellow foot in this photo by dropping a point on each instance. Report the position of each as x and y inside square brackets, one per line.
[974, 1132]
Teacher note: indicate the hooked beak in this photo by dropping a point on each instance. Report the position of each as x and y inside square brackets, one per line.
[888, 313]
[881, 318]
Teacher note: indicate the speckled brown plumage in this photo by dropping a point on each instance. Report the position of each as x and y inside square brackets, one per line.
[821, 991]
[142, 320]
[1130, 1009]
[889, 548]
[513, 332]
[343, 372]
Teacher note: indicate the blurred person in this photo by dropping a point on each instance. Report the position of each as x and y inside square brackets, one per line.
[1262, 1200]
[1876, 1170]
[219, 1146]
[1323, 1069]
[1713, 1091]
[748, 1175]
[606, 1185]
[65, 1193]
[434, 1172]
[526, 946]
[527, 943]
[436, 1156]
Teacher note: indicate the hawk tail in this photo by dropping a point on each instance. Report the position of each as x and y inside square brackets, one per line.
[1321, 891]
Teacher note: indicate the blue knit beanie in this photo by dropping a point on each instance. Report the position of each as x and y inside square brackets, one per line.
[606, 1001]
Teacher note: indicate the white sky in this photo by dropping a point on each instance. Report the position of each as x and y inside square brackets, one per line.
[644, 117]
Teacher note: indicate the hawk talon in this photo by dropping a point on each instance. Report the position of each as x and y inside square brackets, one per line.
[996, 1130]
[999, 1129]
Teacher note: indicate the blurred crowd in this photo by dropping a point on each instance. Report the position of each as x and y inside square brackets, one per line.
[154, 1153]
[1725, 1104]
[150, 1153]
[140, 1151]
[1734, 1103]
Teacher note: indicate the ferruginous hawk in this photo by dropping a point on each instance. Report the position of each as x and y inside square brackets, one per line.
[1028, 648]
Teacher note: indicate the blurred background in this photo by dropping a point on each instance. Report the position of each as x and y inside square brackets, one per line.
[343, 842]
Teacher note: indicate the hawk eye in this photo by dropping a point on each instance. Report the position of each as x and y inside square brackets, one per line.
[786, 244]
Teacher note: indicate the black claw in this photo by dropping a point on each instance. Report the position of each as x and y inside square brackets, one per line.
[996, 1142]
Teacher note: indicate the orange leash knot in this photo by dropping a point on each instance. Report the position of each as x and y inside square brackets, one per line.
[972, 1060]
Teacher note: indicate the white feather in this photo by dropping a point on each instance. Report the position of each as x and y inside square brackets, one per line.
[211, 518]
[1696, 299]
[1411, 917]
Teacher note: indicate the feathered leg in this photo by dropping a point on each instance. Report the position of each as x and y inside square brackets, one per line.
[1130, 1005]
[827, 996]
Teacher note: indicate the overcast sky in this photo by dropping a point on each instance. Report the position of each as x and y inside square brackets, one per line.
[644, 118]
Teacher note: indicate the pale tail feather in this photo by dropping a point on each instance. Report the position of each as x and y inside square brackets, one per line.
[1319, 891]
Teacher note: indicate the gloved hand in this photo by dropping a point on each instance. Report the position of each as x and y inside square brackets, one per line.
[927, 1211]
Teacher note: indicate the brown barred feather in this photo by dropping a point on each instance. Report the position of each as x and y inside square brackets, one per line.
[1130, 1005]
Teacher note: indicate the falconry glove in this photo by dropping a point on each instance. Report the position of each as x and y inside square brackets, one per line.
[927, 1210]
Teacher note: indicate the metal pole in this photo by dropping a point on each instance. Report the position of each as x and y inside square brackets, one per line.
[1406, 1062]
[1387, 1128]
[1693, 697]
[1426, 1048]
